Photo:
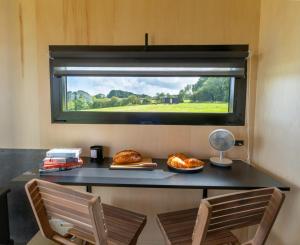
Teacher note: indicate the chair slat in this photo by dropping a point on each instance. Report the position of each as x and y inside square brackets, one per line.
[240, 195]
[64, 203]
[237, 215]
[72, 215]
[121, 222]
[66, 190]
[37, 201]
[221, 238]
[186, 231]
[39, 206]
[234, 226]
[120, 238]
[240, 202]
[190, 226]
[34, 191]
[174, 226]
[182, 240]
[129, 219]
[226, 223]
[231, 210]
[62, 195]
[180, 217]
[176, 213]
[31, 185]
[69, 220]
[122, 212]
[81, 211]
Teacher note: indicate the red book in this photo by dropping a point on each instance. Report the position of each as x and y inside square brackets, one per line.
[50, 164]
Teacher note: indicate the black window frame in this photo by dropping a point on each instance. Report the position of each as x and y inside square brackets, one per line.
[69, 55]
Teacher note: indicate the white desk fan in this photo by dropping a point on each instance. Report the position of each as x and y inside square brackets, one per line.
[221, 140]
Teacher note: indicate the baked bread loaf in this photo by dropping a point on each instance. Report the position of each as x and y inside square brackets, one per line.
[126, 157]
[179, 160]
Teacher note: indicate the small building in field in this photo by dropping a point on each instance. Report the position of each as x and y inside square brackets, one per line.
[170, 100]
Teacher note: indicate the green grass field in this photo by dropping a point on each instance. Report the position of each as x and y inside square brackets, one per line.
[182, 107]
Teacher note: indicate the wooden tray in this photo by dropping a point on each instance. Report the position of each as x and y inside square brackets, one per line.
[134, 166]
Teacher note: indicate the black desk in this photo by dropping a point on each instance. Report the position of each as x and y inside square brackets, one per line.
[241, 176]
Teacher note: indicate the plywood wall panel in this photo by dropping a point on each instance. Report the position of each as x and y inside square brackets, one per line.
[26, 85]
[5, 84]
[100, 21]
[75, 22]
[277, 118]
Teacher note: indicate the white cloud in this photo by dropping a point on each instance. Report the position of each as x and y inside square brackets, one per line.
[137, 85]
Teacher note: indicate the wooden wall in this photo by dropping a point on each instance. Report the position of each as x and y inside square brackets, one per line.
[116, 22]
[277, 118]
[19, 97]
[5, 84]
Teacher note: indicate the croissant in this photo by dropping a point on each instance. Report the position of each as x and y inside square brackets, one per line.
[179, 160]
[179, 155]
[193, 162]
[176, 162]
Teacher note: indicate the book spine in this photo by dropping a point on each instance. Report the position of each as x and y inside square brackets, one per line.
[51, 170]
[61, 159]
[48, 165]
[56, 166]
[62, 155]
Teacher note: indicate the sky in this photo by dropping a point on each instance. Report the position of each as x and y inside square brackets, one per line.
[138, 85]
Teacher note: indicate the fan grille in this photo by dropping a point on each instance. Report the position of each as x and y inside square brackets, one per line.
[221, 140]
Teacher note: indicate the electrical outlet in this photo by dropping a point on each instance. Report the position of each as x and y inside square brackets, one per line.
[239, 143]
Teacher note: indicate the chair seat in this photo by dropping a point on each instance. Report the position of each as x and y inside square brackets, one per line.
[123, 226]
[178, 227]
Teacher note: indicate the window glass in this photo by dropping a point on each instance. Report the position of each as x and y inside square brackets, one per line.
[148, 94]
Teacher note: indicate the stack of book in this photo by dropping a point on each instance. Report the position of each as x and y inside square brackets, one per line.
[61, 159]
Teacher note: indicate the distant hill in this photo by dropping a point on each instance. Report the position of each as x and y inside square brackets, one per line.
[123, 94]
[119, 94]
[89, 98]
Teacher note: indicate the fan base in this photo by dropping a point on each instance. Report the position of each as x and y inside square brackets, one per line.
[223, 162]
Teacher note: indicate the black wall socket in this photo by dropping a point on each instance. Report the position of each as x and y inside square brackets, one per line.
[239, 143]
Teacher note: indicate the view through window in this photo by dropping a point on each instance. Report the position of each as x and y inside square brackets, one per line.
[148, 94]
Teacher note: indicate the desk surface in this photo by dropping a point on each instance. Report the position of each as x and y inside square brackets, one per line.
[240, 176]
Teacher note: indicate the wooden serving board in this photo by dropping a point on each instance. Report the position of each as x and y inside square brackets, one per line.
[135, 166]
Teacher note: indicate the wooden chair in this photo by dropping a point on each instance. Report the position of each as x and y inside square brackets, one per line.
[89, 220]
[212, 223]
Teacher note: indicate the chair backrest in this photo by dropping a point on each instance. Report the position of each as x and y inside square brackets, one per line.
[238, 210]
[83, 211]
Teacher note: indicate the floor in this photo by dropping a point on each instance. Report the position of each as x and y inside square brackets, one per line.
[13, 162]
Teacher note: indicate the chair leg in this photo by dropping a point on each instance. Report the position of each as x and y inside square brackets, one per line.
[134, 241]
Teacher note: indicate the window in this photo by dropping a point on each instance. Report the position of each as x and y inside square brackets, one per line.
[183, 85]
